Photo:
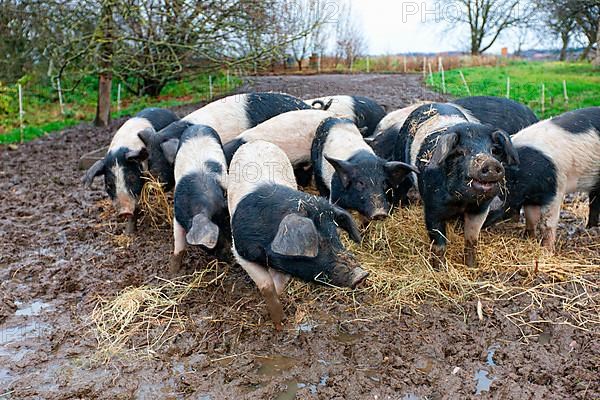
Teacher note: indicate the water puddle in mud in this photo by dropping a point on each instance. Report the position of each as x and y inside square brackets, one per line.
[411, 396]
[490, 355]
[273, 366]
[33, 309]
[483, 383]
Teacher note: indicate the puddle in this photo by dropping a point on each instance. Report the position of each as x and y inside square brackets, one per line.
[411, 396]
[346, 337]
[17, 334]
[290, 393]
[273, 366]
[35, 308]
[490, 355]
[483, 382]
[546, 336]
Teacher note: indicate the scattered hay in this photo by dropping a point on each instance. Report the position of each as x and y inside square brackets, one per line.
[140, 320]
[155, 203]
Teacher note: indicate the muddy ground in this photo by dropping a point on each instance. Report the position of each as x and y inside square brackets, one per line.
[58, 256]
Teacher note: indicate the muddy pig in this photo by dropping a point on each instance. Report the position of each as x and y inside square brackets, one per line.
[200, 206]
[126, 161]
[280, 232]
[348, 172]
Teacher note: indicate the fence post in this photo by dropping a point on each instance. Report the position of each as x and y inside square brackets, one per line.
[228, 80]
[543, 99]
[441, 69]
[464, 82]
[430, 74]
[368, 65]
[255, 69]
[404, 61]
[119, 97]
[319, 64]
[21, 111]
[565, 92]
[424, 68]
[508, 87]
[210, 87]
[60, 99]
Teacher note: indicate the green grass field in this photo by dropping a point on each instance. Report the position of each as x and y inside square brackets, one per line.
[42, 110]
[526, 79]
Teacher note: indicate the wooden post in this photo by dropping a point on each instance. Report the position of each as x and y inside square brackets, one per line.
[441, 69]
[404, 60]
[21, 111]
[228, 80]
[565, 92]
[255, 69]
[430, 73]
[424, 68]
[210, 87]
[508, 87]
[119, 97]
[60, 99]
[543, 99]
[464, 82]
[319, 64]
[368, 65]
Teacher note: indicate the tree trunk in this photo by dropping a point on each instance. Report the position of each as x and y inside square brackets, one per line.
[596, 61]
[586, 52]
[152, 88]
[103, 106]
[565, 45]
[299, 65]
[105, 39]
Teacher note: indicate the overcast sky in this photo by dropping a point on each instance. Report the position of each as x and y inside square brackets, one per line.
[395, 26]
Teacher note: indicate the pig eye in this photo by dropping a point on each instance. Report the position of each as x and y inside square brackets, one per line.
[359, 185]
[496, 151]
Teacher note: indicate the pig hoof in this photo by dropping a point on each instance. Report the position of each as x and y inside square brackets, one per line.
[360, 276]
[471, 260]
[175, 264]
[130, 228]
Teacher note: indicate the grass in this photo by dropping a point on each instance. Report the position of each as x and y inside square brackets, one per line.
[526, 79]
[42, 110]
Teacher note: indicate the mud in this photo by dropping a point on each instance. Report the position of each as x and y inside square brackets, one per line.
[58, 257]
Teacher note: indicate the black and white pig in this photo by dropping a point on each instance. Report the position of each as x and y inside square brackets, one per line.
[279, 231]
[228, 116]
[348, 172]
[365, 112]
[125, 162]
[461, 171]
[293, 132]
[200, 206]
[558, 156]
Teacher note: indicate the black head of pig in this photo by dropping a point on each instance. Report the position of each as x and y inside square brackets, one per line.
[123, 171]
[362, 182]
[472, 157]
[297, 233]
[158, 163]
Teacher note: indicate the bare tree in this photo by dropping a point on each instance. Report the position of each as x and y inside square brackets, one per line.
[556, 17]
[303, 16]
[488, 19]
[350, 39]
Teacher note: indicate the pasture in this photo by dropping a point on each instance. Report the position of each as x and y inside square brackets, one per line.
[101, 320]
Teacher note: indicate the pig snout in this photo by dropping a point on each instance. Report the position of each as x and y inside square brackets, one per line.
[378, 214]
[347, 272]
[486, 172]
[125, 206]
[378, 208]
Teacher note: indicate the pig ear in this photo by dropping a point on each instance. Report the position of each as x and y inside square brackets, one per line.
[344, 220]
[137, 155]
[342, 168]
[445, 145]
[94, 171]
[503, 140]
[397, 171]
[203, 232]
[297, 236]
[147, 135]
[169, 149]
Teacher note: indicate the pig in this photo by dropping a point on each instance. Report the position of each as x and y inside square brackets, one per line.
[383, 140]
[365, 112]
[461, 167]
[293, 132]
[200, 207]
[125, 162]
[229, 117]
[348, 172]
[558, 156]
[280, 232]
[505, 114]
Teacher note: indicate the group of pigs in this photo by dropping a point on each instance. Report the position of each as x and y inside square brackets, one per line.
[236, 164]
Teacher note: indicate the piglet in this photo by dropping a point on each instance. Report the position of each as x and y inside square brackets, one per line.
[200, 186]
[348, 172]
[279, 231]
[365, 112]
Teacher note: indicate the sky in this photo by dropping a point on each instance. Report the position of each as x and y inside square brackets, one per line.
[395, 26]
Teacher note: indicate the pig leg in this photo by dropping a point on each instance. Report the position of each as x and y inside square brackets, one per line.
[261, 276]
[473, 224]
[594, 209]
[436, 228]
[179, 248]
[279, 279]
[533, 215]
[550, 216]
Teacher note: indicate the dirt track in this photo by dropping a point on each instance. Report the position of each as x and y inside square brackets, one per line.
[58, 257]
